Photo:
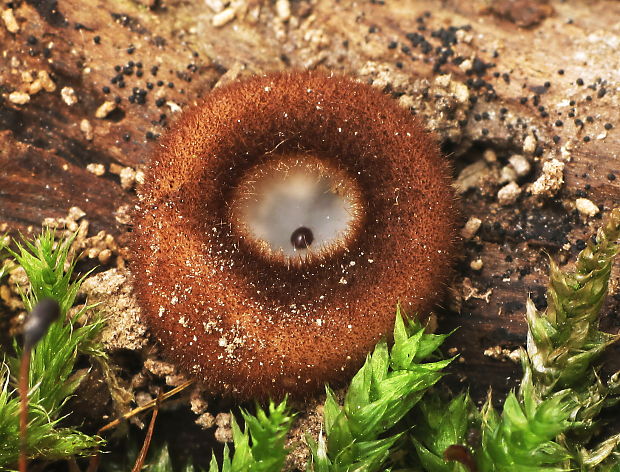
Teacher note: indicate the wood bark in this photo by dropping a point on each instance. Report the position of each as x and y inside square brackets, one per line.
[521, 63]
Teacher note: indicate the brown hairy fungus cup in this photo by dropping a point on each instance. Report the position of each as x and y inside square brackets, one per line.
[280, 222]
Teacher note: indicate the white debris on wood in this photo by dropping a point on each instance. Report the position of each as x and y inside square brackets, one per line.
[476, 264]
[223, 433]
[471, 227]
[503, 354]
[26, 76]
[46, 81]
[466, 65]
[507, 174]
[87, 129]
[283, 9]
[197, 401]
[124, 328]
[75, 213]
[461, 92]
[9, 20]
[35, 87]
[489, 155]
[529, 144]
[464, 37]
[128, 177]
[443, 80]
[123, 214]
[586, 207]
[470, 176]
[97, 169]
[69, 96]
[174, 107]
[205, 421]
[550, 181]
[223, 17]
[520, 164]
[19, 98]
[159, 367]
[508, 194]
[105, 109]
[215, 5]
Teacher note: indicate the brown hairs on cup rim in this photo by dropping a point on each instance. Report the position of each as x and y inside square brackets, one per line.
[250, 325]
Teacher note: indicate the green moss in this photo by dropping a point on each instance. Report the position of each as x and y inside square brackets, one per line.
[53, 359]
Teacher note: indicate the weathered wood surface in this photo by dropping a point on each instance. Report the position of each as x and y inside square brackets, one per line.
[45, 145]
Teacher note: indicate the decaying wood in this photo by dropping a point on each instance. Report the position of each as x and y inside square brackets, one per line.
[512, 77]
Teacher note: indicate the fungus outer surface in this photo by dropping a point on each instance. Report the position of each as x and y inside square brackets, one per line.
[253, 303]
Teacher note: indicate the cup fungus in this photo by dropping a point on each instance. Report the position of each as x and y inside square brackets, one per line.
[281, 220]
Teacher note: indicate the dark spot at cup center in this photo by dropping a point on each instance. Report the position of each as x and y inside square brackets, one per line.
[302, 237]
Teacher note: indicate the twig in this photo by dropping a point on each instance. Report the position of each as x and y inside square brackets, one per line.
[23, 410]
[147, 441]
[146, 406]
[96, 459]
